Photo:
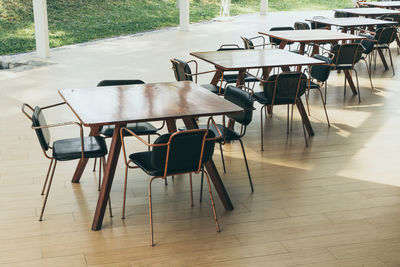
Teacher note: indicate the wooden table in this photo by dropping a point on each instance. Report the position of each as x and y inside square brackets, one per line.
[265, 59]
[368, 12]
[349, 24]
[310, 36]
[389, 5]
[315, 36]
[96, 107]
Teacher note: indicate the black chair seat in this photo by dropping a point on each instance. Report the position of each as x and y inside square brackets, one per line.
[260, 98]
[232, 78]
[143, 160]
[141, 128]
[213, 88]
[313, 85]
[70, 149]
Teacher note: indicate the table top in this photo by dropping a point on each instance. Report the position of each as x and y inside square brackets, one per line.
[392, 4]
[374, 11]
[309, 36]
[254, 58]
[144, 102]
[352, 21]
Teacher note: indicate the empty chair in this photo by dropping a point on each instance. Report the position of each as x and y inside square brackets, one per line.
[285, 88]
[64, 149]
[250, 44]
[181, 152]
[344, 57]
[316, 25]
[378, 41]
[183, 72]
[245, 100]
[301, 25]
[276, 41]
[139, 128]
[231, 77]
[319, 75]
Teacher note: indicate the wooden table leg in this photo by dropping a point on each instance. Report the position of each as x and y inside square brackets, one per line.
[213, 172]
[304, 117]
[108, 178]
[349, 78]
[217, 76]
[301, 52]
[171, 126]
[82, 162]
[383, 59]
[240, 78]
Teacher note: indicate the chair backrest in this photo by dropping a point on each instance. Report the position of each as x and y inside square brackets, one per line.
[248, 44]
[385, 35]
[119, 82]
[184, 153]
[181, 68]
[316, 25]
[347, 54]
[244, 100]
[229, 47]
[301, 25]
[277, 41]
[285, 87]
[321, 72]
[43, 134]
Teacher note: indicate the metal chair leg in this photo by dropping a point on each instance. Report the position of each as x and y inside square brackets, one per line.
[262, 129]
[165, 181]
[304, 132]
[201, 184]
[47, 177]
[358, 87]
[391, 60]
[151, 213]
[191, 190]
[99, 186]
[345, 82]
[323, 104]
[308, 106]
[291, 119]
[125, 187]
[247, 166]
[212, 202]
[148, 141]
[369, 73]
[94, 165]
[326, 89]
[48, 190]
[222, 156]
[287, 120]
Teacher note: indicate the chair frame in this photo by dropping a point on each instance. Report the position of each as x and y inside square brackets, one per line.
[196, 74]
[164, 176]
[52, 167]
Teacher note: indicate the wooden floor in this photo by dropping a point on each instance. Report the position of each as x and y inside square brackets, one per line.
[335, 203]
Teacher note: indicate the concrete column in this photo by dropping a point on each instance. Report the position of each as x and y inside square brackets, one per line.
[41, 28]
[263, 7]
[184, 15]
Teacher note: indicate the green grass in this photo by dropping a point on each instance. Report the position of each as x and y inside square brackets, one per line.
[77, 21]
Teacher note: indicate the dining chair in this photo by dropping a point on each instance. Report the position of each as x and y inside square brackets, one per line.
[230, 77]
[63, 149]
[182, 152]
[183, 72]
[243, 99]
[318, 76]
[139, 128]
[344, 57]
[377, 42]
[301, 25]
[316, 25]
[276, 41]
[284, 88]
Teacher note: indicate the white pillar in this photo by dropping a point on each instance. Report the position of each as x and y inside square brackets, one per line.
[184, 15]
[41, 28]
[263, 7]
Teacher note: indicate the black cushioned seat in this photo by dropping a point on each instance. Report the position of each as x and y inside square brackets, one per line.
[70, 149]
[263, 100]
[143, 160]
[232, 78]
[141, 128]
